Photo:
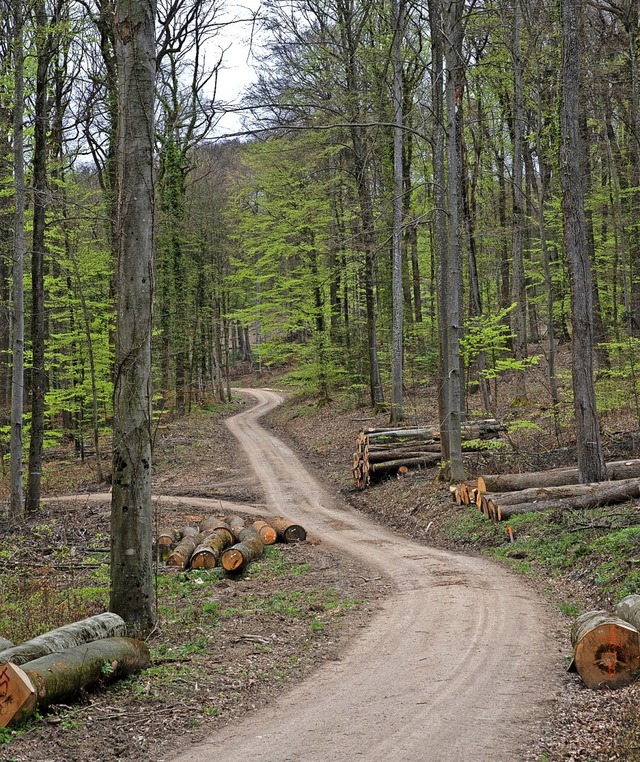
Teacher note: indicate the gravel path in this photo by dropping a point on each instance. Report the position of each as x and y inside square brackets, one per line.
[458, 664]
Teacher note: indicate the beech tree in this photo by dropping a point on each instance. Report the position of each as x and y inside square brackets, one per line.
[131, 516]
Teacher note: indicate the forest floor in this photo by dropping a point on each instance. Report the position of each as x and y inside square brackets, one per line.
[224, 647]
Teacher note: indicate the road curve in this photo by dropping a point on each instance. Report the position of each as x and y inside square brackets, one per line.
[457, 665]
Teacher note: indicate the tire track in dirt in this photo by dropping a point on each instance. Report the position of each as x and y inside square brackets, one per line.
[458, 664]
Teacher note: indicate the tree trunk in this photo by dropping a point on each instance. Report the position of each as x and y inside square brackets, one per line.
[209, 549]
[238, 556]
[589, 445]
[397, 413]
[131, 511]
[614, 470]
[96, 627]
[57, 677]
[288, 531]
[17, 378]
[606, 650]
[596, 495]
[629, 610]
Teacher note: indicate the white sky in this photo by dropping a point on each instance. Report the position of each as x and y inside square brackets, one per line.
[236, 73]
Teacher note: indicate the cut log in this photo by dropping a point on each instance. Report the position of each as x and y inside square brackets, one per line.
[4, 644]
[288, 531]
[629, 610]
[165, 542]
[215, 524]
[96, 627]
[427, 459]
[180, 556]
[606, 650]
[236, 524]
[238, 556]
[57, 677]
[616, 471]
[600, 493]
[207, 554]
[266, 531]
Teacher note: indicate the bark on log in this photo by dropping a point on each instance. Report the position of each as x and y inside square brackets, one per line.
[106, 625]
[266, 531]
[207, 554]
[288, 531]
[4, 644]
[606, 650]
[629, 610]
[427, 459]
[238, 556]
[59, 676]
[602, 493]
[616, 471]
[214, 524]
[236, 524]
[181, 554]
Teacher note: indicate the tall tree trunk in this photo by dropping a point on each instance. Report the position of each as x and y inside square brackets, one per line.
[397, 413]
[591, 465]
[518, 289]
[38, 328]
[131, 515]
[17, 376]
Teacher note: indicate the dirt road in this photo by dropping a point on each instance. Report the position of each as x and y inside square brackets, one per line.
[457, 665]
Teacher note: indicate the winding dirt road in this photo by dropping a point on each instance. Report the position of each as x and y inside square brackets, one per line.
[457, 665]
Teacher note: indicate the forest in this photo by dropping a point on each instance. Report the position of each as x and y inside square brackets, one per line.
[434, 193]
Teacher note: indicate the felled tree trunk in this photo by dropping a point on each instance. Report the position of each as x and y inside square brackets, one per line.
[209, 550]
[238, 556]
[266, 532]
[56, 677]
[288, 531]
[180, 555]
[96, 627]
[629, 610]
[601, 493]
[606, 650]
[4, 644]
[616, 471]
[214, 524]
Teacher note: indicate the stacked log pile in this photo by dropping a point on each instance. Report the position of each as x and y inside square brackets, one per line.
[379, 451]
[59, 664]
[501, 496]
[223, 541]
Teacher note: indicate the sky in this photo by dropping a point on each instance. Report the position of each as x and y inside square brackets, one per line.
[237, 72]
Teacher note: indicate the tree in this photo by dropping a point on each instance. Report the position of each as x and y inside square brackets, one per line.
[591, 466]
[17, 378]
[131, 516]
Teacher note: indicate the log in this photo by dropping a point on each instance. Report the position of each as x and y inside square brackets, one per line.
[236, 524]
[4, 644]
[207, 554]
[288, 531]
[238, 556]
[165, 541]
[266, 531]
[57, 677]
[215, 524]
[606, 650]
[96, 627]
[629, 610]
[427, 459]
[181, 554]
[616, 470]
[601, 493]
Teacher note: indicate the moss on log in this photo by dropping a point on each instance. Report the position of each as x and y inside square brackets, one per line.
[59, 676]
[96, 627]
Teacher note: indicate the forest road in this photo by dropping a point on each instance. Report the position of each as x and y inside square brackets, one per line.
[458, 664]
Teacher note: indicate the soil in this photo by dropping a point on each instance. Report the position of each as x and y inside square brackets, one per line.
[499, 662]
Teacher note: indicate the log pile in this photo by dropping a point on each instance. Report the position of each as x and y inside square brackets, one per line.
[224, 541]
[59, 664]
[381, 450]
[501, 496]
